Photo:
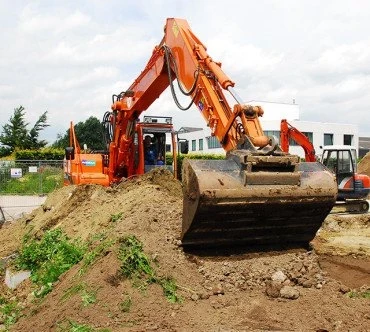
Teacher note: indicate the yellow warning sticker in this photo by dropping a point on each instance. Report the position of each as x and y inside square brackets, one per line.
[175, 29]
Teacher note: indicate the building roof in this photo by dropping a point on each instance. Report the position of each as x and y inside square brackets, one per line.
[364, 143]
[188, 129]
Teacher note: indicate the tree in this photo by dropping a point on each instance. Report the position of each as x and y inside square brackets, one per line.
[15, 134]
[89, 132]
[32, 141]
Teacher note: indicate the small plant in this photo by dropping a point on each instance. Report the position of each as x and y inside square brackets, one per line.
[100, 250]
[48, 258]
[169, 289]
[72, 326]
[137, 266]
[88, 297]
[125, 305]
[116, 217]
[10, 312]
[364, 294]
[73, 290]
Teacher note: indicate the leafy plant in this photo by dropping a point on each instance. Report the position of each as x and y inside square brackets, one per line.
[125, 305]
[88, 297]
[116, 217]
[137, 266]
[73, 290]
[135, 263]
[169, 289]
[355, 294]
[99, 251]
[72, 326]
[10, 312]
[48, 258]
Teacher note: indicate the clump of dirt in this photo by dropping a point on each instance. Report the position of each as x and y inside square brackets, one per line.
[363, 166]
[293, 290]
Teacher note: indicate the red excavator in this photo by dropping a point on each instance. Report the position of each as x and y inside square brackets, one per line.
[259, 196]
[353, 188]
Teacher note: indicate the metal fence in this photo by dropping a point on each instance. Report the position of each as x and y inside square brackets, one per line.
[24, 185]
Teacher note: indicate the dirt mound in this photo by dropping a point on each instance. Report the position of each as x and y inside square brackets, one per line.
[250, 292]
[363, 166]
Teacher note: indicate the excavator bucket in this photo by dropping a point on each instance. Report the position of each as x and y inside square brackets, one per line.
[272, 202]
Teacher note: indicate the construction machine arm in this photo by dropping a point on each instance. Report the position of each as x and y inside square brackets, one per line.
[182, 56]
[287, 132]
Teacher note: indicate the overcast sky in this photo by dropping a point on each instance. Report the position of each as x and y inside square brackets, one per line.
[69, 57]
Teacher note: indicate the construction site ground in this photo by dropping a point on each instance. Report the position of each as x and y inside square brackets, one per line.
[298, 290]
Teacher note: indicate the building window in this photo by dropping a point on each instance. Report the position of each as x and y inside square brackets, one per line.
[200, 144]
[347, 139]
[193, 145]
[213, 142]
[328, 139]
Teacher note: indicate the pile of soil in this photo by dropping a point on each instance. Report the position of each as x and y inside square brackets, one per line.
[363, 166]
[295, 290]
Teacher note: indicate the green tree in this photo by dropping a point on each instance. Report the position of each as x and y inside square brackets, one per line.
[33, 141]
[15, 134]
[89, 132]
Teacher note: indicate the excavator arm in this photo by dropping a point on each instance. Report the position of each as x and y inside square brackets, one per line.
[259, 195]
[287, 132]
[182, 56]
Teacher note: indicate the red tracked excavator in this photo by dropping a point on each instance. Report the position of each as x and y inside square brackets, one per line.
[259, 196]
[353, 188]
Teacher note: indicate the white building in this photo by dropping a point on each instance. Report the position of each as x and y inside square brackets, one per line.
[319, 133]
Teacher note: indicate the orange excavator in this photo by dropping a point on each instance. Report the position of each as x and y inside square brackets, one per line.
[353, 188]
[259, 196]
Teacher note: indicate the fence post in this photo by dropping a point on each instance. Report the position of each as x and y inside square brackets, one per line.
[40, 178]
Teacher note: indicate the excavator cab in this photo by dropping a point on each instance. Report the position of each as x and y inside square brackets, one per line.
[154, 137]
[353, 188]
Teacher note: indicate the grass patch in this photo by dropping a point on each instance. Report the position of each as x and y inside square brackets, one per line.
[72, 326]
[116, 217]
[48, 258]
[137, 266]
[355, 294]
[10, 312]
[43, 182]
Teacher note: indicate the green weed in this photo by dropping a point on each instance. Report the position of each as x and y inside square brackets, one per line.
[125, 305]
[116, 217]
[48, 258]
[88, 297]
[73, 291]
[100, 250]
[137, 266]
[169, 289]
[355, 294]
[10, 312]
[72, 326]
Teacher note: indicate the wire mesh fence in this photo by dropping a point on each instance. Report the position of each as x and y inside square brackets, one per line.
[24, 185]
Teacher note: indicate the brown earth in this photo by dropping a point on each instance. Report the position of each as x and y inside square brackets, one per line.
[298, 290]
[363, 166]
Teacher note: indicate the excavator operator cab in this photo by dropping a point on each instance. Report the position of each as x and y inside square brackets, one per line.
[155, 137]
[341, 160]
